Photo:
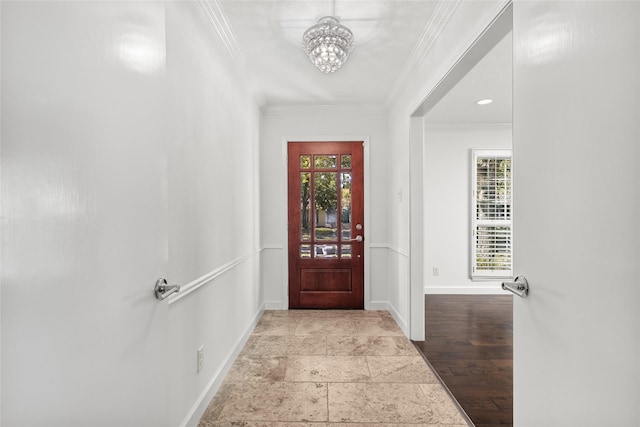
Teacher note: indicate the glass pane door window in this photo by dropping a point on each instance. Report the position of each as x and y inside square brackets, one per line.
[325, 206]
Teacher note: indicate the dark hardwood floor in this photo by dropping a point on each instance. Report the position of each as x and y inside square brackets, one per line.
[469, 342]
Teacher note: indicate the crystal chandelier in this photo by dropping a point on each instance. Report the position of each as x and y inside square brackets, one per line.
[328, 44]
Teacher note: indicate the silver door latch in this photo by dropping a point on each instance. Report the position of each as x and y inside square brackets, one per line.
[519, 286]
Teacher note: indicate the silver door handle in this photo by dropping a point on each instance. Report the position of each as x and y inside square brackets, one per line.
[162, 290]
[519, 286]
[357, 239]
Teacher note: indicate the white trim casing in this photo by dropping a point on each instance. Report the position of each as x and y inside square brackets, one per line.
[416, 224]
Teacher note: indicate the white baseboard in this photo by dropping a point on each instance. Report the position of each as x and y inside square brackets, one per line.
[197, 410]
[377, 305]
[274, 305]
[402, 323]
[372, 305]
[465, 290]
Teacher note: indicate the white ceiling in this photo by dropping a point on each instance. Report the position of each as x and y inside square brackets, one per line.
[489, 78]
[269, 36]
[266, 36]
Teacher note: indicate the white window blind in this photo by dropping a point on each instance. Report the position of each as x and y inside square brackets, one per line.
[491, 224]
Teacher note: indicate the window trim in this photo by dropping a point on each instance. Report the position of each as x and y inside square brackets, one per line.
[484, 275]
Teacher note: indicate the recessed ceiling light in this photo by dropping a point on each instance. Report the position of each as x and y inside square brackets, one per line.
[484, 101]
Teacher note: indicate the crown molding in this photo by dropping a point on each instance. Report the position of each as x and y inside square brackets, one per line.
[215, 15]
[443, 13]
[444, 126]
[282, 109]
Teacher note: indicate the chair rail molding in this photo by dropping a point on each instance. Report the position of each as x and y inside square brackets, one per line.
[205, 279]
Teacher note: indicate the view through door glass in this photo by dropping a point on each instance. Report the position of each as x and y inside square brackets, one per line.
[326, 225]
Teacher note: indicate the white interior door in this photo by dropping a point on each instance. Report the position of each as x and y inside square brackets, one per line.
[84, 214]
[577, 213]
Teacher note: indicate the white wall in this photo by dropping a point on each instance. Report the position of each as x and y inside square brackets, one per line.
[129, 152]
[464, 22]
[213, 208]
[447, 195]
[322, 123]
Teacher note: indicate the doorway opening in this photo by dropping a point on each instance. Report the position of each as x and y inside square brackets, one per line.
[454, 315]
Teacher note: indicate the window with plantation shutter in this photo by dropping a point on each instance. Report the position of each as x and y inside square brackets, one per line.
[491, 214]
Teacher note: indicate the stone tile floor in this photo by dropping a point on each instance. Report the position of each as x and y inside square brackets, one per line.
[327, 368]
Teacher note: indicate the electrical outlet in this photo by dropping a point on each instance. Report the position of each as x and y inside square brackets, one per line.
[436, 271]
[200, 358]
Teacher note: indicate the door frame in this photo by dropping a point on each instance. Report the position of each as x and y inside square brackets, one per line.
[284, 212]
[488, 38]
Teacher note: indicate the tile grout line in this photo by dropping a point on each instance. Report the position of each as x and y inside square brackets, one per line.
[328, 414]
[287, 357]
[326, 354]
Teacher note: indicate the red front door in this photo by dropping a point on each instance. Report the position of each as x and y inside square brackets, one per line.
[326, 225]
